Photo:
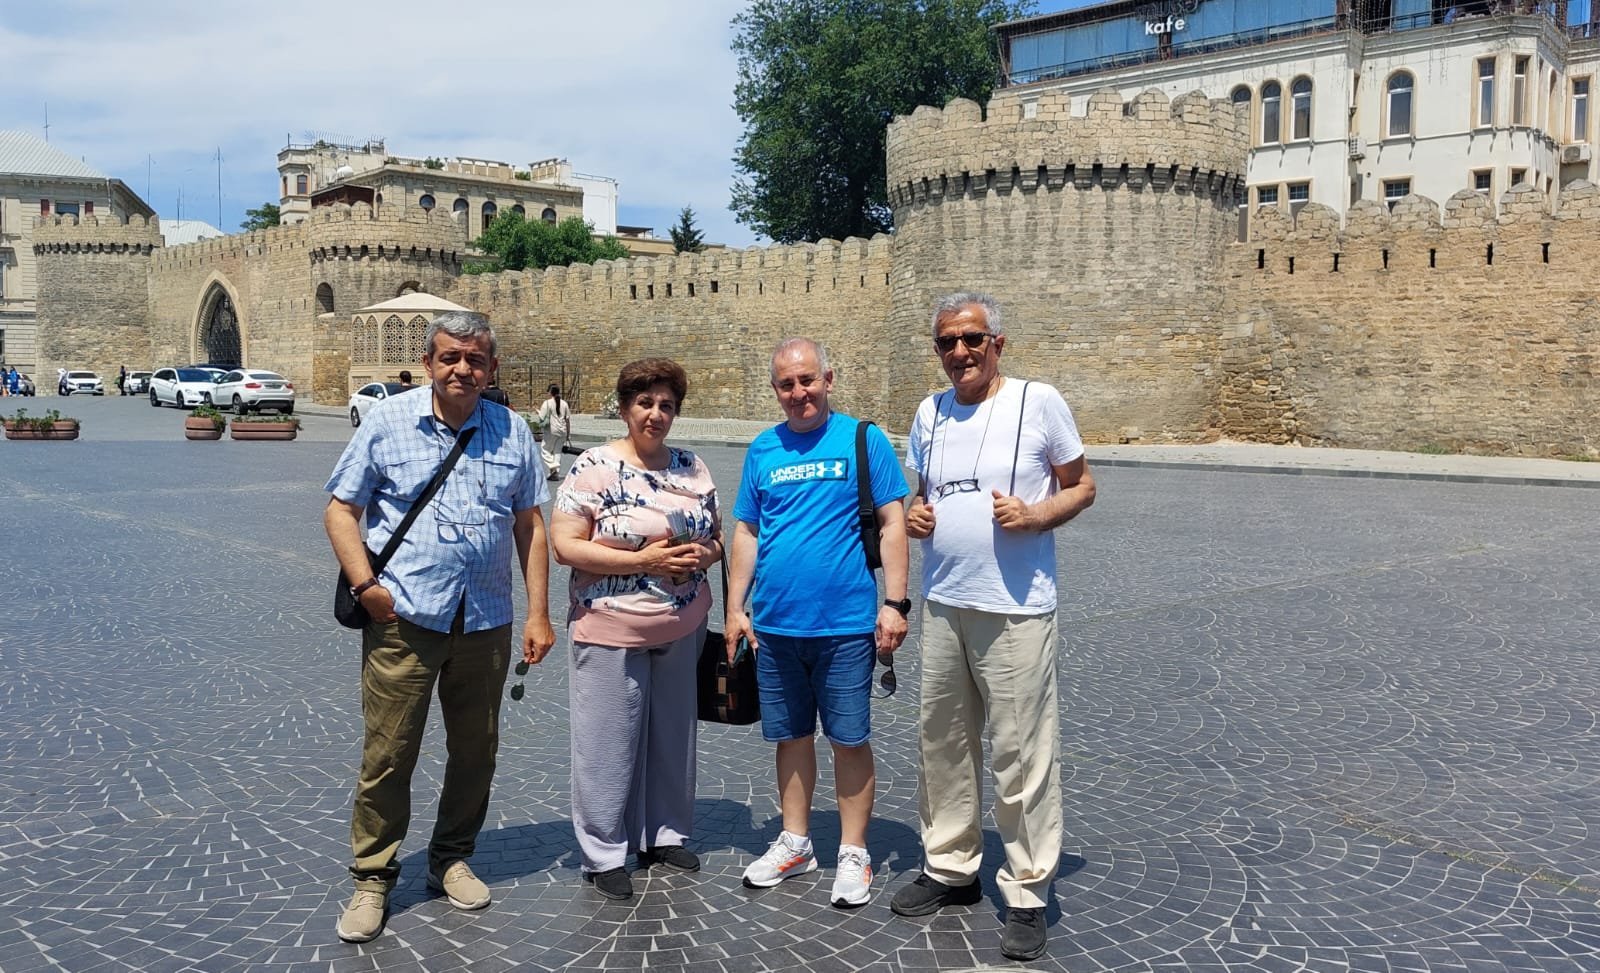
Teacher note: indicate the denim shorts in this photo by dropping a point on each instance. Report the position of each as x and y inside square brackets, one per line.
[803, 676]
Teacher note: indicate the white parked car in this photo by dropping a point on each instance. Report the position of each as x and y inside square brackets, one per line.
[138, 383]
[370, 395]
[82, 383]
[182, 387]
[244, 389]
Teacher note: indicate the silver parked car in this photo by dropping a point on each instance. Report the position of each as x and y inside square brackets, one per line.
[244, 389]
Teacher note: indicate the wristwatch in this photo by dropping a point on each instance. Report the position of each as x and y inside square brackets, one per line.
[903, 606]
[357, 589]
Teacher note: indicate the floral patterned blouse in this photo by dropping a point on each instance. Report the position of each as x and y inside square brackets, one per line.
[628, 507]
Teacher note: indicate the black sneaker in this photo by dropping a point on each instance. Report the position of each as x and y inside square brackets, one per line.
[675, 857]
[1025, 935]
[613, 883]
[928, 895]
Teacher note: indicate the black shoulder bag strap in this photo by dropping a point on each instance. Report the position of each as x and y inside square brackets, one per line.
[426, 495]
[866, 513]
[1016, 449]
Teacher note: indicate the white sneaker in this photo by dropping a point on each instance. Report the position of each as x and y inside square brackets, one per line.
[852, 882]
[789, 856]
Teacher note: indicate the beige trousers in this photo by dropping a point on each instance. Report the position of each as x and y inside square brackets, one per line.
[978, 666]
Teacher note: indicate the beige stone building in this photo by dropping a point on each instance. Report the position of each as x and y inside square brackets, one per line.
[39, 180]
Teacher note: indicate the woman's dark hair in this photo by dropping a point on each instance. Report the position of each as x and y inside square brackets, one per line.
[555, 390]
[636, 376]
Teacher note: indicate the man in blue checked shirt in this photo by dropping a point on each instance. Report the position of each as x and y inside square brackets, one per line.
[441, 609]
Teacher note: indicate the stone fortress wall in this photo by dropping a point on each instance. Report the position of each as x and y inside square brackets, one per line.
[1107, 235]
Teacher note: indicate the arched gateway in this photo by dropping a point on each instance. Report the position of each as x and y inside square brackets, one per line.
[217, 331]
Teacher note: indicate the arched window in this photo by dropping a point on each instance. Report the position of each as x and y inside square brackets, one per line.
[285, 185]
[1271, 113]
[426, 201]
[300, 184]
[1300, 109]
[549, 214]
[517, 209]
[460, 208]
[489, 210]
[1240, 95]
[324, 299]
[1399, 103]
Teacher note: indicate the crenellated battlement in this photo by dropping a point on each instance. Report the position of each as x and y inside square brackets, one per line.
[1034, 140]
[96, 234]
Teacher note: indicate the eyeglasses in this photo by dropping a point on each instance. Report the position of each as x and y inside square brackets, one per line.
[969, 485]
[886, 684]
[946, 343]
[517, 692]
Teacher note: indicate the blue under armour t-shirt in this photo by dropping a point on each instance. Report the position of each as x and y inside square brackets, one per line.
[799, 491]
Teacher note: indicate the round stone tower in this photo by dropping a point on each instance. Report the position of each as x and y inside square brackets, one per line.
[1101, 234]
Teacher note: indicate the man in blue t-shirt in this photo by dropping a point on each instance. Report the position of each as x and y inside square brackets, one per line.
[817, 621]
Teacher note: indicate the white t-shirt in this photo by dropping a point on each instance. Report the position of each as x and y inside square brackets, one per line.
[970, 561]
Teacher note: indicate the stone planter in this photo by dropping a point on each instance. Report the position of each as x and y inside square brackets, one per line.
[200, 428]
[263, 430]
[60, 430]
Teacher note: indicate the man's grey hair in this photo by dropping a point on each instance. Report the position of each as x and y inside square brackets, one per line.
[462, 326]
[791, 344]
[959, 301]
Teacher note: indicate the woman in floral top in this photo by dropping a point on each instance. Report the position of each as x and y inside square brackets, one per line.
[637, 521]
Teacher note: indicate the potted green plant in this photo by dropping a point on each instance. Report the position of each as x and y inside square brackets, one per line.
[535, 425]
[51, 425]
[259, 427]
[205, 422]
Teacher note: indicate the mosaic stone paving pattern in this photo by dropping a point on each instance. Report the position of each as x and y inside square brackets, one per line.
[1308, 723]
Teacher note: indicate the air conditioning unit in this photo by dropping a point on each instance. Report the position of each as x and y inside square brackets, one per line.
[1358, 147]
[1577, 152]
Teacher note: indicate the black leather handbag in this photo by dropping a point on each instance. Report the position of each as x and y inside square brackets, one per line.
[347, 608]
[727, 691]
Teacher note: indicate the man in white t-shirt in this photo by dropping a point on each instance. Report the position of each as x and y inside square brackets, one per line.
[1000, 467]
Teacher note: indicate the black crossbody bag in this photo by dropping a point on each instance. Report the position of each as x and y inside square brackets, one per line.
[866, 513]
[347, 608]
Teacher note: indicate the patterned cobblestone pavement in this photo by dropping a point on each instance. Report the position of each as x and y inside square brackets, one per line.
[1309, 723]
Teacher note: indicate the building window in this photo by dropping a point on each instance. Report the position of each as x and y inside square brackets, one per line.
[460, 208]
[1299, 192]
[66, 209]
[489, 210]
[300, 185]
[1300, 123]
[549, 215]
[1266, 196]
[1241, 95]
[1483, 181]
[1394, 190]
[1271, 116]
[1485, 117]
[324, 299]
[285, 183]
[427, 202]
[517, 209]
[1580, 110]
[44, 207]
[1519, 92]
[88, 207]
[2, 295]
[1518, 177]
[1400, 85]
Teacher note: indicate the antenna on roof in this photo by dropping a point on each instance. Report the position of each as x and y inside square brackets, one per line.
[47, 121]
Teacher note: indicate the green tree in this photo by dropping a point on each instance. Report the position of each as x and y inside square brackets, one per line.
[686, 237]
[819, 81]
[517, 243]
[260, 218]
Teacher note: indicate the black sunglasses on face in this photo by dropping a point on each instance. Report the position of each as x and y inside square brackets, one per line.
[887, 684]
[972, 339]
[517, 692]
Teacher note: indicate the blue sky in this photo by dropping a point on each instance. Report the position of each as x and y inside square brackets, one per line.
[639, 90]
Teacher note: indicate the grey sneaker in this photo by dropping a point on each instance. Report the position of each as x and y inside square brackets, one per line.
[852, 881]
[363, 917]
[927, 895]
[460, 886]
[789, 856]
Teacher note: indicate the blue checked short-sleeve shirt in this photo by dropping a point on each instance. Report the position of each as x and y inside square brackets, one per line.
[462, 544]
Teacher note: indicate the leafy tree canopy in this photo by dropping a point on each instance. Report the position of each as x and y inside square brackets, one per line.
[686, 237]
[260, 218]
[518, 243]
[819, 81]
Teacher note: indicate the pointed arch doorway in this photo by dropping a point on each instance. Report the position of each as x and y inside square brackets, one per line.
[217, 339]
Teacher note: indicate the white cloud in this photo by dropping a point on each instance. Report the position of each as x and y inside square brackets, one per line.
[636, 90]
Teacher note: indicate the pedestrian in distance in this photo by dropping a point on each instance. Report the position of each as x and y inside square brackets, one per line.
[441, 609]
[815, 620]
[555, 416]
[999, 467]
